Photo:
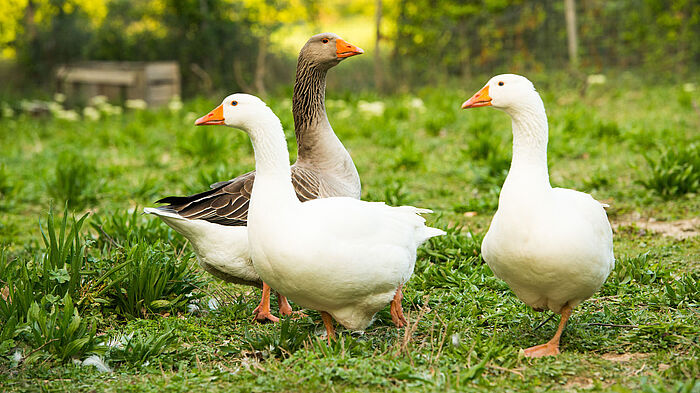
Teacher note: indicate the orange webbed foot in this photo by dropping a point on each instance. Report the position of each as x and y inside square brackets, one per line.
[550, 348]
[262, 311]
[286, 309]
[264, 316]
[542, 350]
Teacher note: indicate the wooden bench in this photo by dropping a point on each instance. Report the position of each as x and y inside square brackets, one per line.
[154, 82]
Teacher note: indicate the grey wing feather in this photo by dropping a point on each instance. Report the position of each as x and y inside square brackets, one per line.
[226, 203]
[306, 183]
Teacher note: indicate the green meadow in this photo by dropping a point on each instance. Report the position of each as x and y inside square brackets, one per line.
[83, 272]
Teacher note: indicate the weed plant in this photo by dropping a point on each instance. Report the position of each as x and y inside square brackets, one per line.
[153, 281]
[675, 172]
[137, 348]
[75, 181]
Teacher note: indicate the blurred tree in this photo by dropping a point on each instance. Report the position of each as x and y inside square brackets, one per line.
[224, 44]
[204, 36]
[571, 35]
[268, 16]
[435, 39]
[54, 32]
[378, 67]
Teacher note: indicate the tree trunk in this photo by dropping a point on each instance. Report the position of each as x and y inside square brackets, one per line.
[397, 62]
[29, 25]
[261, 68]
[240, 79]
[570, 13]
[378, 66]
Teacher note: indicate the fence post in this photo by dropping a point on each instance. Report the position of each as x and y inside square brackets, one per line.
[570, 14]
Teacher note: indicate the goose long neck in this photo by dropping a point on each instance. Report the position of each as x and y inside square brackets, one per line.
[530, 134]
[270, 147]
[316, 141]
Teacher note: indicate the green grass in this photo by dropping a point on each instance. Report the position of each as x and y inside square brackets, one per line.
[125, 287]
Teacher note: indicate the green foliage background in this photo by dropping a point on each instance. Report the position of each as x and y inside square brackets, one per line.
[425, 41]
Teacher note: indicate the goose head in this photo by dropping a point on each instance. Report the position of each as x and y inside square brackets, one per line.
[508, 92]
[242, 111]
[326, 50]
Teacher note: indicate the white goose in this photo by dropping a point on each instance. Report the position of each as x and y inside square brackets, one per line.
[341, 256]
[553, 246]
[214, 221]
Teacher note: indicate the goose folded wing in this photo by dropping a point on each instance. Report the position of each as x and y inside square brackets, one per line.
[226, 203]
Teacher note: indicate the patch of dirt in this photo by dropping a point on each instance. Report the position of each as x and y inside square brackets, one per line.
[680, 229]
[624, 357]
[578, 383]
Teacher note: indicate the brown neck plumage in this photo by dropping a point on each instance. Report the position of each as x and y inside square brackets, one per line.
[308, 105]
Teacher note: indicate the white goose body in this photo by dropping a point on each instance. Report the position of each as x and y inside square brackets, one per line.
[221, 250]
[348, 258]
[338, 255]
[553, 246]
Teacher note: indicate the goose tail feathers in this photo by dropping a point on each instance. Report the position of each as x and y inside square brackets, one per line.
[163, 212]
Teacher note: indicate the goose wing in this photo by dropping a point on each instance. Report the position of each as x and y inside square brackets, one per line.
[226, 203]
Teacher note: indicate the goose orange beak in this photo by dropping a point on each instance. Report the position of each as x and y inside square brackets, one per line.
[215, 117]
[345, 49]
[481, 98]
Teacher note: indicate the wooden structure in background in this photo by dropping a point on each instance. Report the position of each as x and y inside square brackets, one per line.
[154, 82]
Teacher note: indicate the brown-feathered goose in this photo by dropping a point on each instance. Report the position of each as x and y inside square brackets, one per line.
[214, 221]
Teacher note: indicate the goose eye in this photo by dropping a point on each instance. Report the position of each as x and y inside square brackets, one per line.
[234, 103]
[500, 83]
[325, 40]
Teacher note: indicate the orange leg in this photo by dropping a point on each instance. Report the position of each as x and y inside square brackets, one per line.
[286, 309]
[262, 312]
[328, 322]
[396, 309]
[550, 348]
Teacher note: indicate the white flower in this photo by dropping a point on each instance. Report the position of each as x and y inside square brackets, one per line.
[596, 79]
[344, 114]
[109, 109]
[98, 100]
[69, 115]
[175, 104]
[688, 87]
[30, 106]
[136, 104]
[91, 113]
[417, 104]
[58, 97]
[54, 107]
[17, 356]
[336, 103]
[7, 111]
[213, 304]
[375, 108]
